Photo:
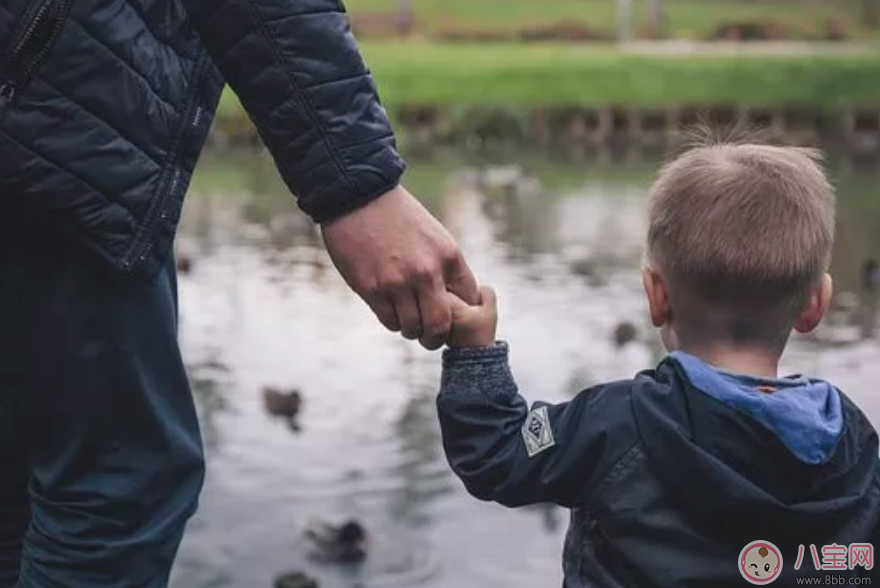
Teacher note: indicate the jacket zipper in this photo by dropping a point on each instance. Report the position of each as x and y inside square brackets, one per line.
[196, 116]
[21, 59]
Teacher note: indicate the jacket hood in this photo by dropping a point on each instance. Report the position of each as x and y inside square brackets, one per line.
[793, 464]
[805, 415]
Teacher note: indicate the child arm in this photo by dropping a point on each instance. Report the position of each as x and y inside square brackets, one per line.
[507, 452]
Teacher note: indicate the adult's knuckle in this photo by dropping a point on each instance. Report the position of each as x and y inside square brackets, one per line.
[425, 270]
[367, 285]
[393, 282]
[450, 254]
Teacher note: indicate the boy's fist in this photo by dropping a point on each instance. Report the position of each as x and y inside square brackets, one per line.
[474, 326]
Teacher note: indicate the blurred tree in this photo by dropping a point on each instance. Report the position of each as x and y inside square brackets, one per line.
[655, 16]
[405, 17]
[871, 12]
[624, 14]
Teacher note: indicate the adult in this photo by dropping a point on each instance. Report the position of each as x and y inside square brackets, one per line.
[104, 108]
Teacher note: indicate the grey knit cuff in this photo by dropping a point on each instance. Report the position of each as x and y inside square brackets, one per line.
[478, 370]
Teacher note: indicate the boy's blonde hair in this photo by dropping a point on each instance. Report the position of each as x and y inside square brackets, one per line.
[741, 233]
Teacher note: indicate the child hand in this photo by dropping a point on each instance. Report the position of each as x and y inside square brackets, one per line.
[473, 326]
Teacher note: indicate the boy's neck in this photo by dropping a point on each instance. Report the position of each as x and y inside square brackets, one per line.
[750, 362]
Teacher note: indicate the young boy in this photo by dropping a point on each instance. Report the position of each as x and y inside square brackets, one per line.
[672, 474]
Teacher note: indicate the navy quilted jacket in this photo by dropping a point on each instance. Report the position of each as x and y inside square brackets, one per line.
[105, 106]
[669, 475]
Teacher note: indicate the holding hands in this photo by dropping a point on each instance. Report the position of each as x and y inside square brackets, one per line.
[407, 267]
[402, 262]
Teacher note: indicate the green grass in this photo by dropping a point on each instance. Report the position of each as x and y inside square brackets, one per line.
[683, 18]
[528, 76]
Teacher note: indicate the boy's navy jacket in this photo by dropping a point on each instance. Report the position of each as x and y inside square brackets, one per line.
[666, 483]
[105, 106]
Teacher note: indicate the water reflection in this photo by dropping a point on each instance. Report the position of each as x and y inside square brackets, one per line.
[421, 467]
[262, 308]
[209, 381]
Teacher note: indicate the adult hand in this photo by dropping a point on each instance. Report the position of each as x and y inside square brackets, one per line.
[402, 261]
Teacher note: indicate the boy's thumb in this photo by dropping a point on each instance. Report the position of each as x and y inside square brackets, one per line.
[487, 297]
[457, 304]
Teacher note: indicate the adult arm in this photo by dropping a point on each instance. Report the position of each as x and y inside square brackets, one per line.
[298, 72]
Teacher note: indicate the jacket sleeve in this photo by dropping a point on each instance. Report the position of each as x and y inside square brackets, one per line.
[297, 69]
[507, 452]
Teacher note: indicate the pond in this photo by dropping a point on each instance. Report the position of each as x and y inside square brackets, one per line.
[262, 306]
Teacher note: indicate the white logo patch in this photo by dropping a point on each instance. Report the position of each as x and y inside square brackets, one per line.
[537, 433]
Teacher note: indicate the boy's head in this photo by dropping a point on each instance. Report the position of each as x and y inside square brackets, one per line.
[739, 242]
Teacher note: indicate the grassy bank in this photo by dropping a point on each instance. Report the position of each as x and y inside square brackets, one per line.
[682, 18]
[530, 76]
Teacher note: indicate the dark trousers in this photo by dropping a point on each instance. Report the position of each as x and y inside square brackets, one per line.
[101, 459]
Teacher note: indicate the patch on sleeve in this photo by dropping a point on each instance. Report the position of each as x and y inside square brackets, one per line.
[537, 433]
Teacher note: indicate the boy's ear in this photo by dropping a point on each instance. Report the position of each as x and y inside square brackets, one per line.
[817, 306]
[658, 297]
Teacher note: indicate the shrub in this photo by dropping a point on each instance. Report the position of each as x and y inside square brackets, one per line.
[456, 34]
[650, 32]
[750, 31]
[381, 25]
[836, 30]
[560, 32]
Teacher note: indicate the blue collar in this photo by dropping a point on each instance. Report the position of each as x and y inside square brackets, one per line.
[806, 415]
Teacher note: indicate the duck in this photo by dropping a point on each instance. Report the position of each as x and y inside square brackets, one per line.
[184, 264]
[584, 267]
[283, 404]
[871, 276]
[624, 334]
[551, 518]
[295, 580]
[344, 544]
[846, 302]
